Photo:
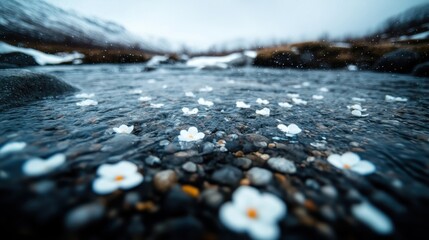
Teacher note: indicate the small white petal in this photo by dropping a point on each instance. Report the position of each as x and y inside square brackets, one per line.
[363, 167]
[145, 99]
[285, 105]
[271, 208]
[283, 128]
[260, 230]
[262, 101]
[335, 160]
[12, 147]
[350, 158]
[131, 180]
[104, 185]
[88, 102]
[55, 160]
[245, 197]
[292, 95]
[85, 95]
[318, 97]
[263, 112]
[240, 104]
[293, 129]
[189, 94]
[193, 130]
[34, 167]
[373, 218]
[233, 218]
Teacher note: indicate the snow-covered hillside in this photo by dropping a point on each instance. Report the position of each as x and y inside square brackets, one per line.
[37, 20]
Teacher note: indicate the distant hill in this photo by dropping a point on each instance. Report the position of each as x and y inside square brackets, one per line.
[38, 22]
[413, 24]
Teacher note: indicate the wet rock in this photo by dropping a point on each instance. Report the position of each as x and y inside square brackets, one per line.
[258, 141]
[186, 227]
[177, 202]
[164, 180]
[212, 198]
[259, 176]
[243, 163]
[18, 59]
[228, 175]
[421, 70]
[18, 87]
[399, 61]
[189, 167]
[84, 215]
[282, 165]
[152, 161]
[208, 147]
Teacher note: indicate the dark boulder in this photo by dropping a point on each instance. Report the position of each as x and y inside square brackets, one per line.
[18, 87]
[421, 70]
[18, 59]
[399, 61]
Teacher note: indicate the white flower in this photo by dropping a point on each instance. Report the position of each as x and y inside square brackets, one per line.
[358, 99]
[87, 102]
[189, 94]
[356, 107]
[207, 103]
[136, 91]
[123, 129]
[122, 175]
[12, 147]
[253, 212]
[145, 99]
[291, 130]
[351, 161]
[241, 104]
[299, 101]
[285, 104]
[318, 97]
[292, 95]
[323, 89]
[85, 95]
[206, 89]
[190, 135]
[157, 105]
[38, 166]
[262, 101]
[187, 111]
[373, 218]
[263, 112]
[358, 113]
[389, 98]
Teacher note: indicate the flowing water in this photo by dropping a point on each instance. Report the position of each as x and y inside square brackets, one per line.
[394, 137]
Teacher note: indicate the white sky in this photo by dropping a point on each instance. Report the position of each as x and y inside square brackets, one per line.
[202, 23]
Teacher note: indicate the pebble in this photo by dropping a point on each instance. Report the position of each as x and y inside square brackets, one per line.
[189, 167]
[191, 190]
[152, 161]
[329, 191]
[259, 176]
[83, 215]
[208, 147]
[164, 180]
[212, 198]
[312, 183]
[373, 218]
[282, 165]
[243, 163]
[228, 175]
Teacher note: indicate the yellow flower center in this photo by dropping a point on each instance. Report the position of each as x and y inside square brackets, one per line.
[119, 178]
[252, 213]
[346, 166]
[190, 136]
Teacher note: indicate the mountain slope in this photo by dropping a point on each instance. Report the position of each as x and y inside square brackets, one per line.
[39, 21]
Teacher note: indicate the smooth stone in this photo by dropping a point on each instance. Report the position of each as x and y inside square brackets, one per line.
[399, 61]
[243, 163]
[84, 215]
[212, 198]
[259, 176]
[164, 180]
[208, 147]
[189, 167]
[18, 87]
[282, 165]
[153, 160]
[228, 175]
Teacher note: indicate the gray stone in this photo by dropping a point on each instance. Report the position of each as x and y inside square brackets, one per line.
[421, 70]
[282, 165]
[399, 61]
[18, 59]
[259, 176]
[83, 215]
[152, 160]
[243, 163]
[189, 167]
[208, 147]
[18, 87]
[228, 175]
[212, 198]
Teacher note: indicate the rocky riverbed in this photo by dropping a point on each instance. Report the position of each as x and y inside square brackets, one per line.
[187, 182]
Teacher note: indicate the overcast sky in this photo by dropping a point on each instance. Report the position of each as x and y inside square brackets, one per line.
[202, 23]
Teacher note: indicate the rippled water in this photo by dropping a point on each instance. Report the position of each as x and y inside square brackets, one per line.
[395, 135]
